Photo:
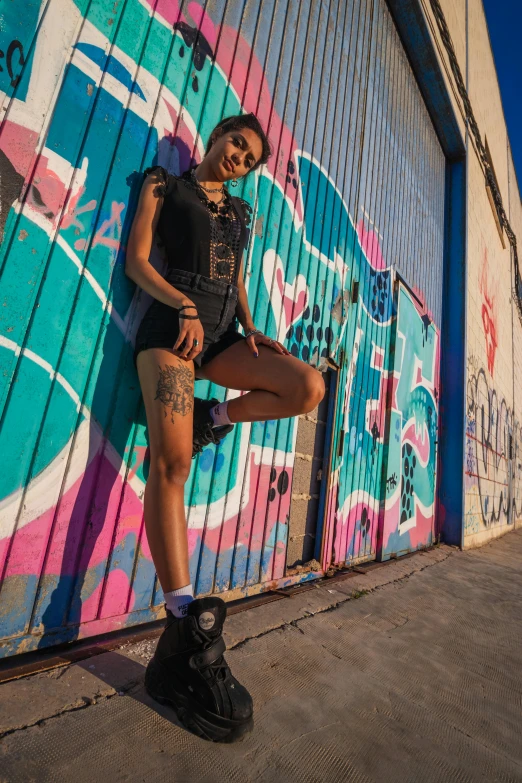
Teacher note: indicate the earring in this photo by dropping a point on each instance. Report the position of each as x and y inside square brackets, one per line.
[234, 183]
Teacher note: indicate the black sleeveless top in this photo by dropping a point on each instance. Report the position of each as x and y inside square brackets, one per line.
[199, 235]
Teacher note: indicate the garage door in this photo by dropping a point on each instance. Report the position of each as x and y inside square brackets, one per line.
[352, 196]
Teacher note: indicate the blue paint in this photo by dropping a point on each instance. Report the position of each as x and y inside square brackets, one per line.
[417, 40]
[206, 460]
[453, 361]
[353, 436]
[328, 227]
[17, 594]
[143, 582]
[111, 66]
[30, 642]
[60, 597]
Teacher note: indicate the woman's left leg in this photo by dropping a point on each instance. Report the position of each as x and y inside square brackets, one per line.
[279, 386]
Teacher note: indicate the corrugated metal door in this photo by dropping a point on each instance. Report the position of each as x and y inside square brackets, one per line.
[398, 212]
[410, 454]
[92, 94]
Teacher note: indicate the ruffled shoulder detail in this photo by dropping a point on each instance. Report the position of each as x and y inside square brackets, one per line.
[168, 180]
[245, 209]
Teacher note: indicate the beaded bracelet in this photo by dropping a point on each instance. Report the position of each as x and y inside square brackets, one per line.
[251, 332]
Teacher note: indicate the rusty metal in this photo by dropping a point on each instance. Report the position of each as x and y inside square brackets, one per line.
[38, 662]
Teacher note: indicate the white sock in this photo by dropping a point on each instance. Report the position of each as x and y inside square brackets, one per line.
[178, 600]
[219, 414]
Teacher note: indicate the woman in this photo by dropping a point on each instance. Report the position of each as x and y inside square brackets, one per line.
[188, 332]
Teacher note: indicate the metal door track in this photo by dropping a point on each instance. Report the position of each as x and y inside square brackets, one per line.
[66, 654]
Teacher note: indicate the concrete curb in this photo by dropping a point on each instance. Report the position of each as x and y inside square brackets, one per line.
[33, 700]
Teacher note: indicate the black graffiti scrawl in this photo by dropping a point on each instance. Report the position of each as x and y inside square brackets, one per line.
[14, 61]
[201, 49]
[493, 451]
[10, 188]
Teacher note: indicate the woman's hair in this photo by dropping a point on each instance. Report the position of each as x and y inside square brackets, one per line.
[237, 122]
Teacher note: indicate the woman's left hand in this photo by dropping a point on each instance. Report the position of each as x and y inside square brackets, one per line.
[261, 339]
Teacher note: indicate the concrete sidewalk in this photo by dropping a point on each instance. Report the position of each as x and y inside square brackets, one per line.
[419, 680]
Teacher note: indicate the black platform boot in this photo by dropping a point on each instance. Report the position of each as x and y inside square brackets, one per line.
[204, 432]
[189, 673]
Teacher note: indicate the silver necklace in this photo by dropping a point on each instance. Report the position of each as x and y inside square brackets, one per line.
[208, 190]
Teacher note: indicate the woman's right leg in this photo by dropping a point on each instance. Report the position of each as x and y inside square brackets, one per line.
[167, 384]
[188, 670]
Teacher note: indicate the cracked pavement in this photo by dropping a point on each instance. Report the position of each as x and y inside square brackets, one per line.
[410, 672]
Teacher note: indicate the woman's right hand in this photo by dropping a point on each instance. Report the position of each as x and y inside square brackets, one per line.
[190, 329]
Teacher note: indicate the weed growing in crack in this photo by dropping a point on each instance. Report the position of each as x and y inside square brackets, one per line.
[359, 593]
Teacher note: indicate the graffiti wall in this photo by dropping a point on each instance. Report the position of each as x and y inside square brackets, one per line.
[93, 93]
[493, 456]
[493, 446]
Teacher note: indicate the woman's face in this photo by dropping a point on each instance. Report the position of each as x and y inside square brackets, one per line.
[234, 154]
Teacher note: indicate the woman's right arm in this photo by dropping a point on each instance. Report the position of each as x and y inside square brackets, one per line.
[137, 264]
[139, 268]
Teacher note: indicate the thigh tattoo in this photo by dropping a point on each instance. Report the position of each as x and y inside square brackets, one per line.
[175, 390]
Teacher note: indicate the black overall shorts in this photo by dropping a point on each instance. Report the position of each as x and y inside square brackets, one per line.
[216, 302]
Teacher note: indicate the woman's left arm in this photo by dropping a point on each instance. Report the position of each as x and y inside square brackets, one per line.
[242, 309]
[244, 317]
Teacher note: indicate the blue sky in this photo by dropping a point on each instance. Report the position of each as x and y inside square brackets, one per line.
[505, 23]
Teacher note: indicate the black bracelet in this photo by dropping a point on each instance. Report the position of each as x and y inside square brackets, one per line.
[187, 317]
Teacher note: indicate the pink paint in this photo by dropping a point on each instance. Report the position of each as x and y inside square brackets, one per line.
[142, 455]
[194, 537]
[31, 541]
[109, 624]
[419, 303]
[414, 537]
[377, 360]
[254, 525]
[246, 75]
[28, 547]
[51, 190]
[277, 565]
[389, 522]
[180, 130]
[350, 542]
[420, 296]
[329, 523]
[436, 380]
[418, 535]
[489, 315]
[118, 596]
[109, 233]
[370, 244]
[18, 144]
[169, 9]
[490, 333]
[394, 380]
[73, 211]
[421, 443]
[292, 308]
[90, 605]
[376, 408]
[204, 23]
